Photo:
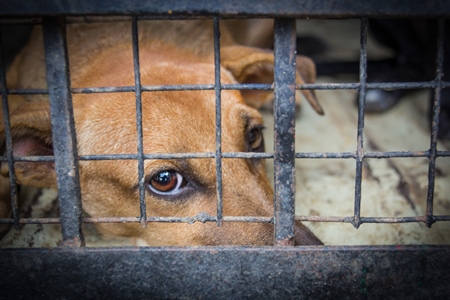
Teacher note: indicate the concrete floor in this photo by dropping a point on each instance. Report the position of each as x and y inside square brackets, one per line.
[325, 187]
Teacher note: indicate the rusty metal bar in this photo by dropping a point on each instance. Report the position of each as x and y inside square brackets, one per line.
[441, 218]
[246, 86]
[231, 9]
[63, 131]
[218, 92]
[27, 91]
[202, 217]
[379, 220]
[140, 145]
[360, 131]
[311, 155]
[435, 121]
[8, 140]
[284, 133]
[406, 272]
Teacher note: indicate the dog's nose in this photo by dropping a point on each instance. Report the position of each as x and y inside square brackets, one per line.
[304, 236]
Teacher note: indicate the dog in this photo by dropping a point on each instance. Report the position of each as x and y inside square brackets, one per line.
[171, 53]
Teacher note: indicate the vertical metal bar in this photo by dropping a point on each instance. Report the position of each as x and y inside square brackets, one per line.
[140, 143]
[218, 90]
[63, 131]
[284, 135]
[435, 122]
[8, 140]
[360, 139]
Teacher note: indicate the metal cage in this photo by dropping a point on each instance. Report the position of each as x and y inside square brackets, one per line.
[282, 271]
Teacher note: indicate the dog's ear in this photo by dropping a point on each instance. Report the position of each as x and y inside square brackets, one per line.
[31, 135]
[254, 65]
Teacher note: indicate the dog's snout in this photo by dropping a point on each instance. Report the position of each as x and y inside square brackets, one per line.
[304, 236]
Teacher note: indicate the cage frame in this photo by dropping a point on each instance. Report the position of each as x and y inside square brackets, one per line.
[239, 272]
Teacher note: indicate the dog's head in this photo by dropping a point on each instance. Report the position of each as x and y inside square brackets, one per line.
[173, 122]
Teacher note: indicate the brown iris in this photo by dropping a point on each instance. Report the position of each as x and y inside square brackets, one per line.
[167, 182]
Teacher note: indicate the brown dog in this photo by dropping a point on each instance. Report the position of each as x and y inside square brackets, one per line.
[171, 52]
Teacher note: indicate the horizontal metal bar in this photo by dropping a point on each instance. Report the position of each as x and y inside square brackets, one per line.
[398, 154]
[238, 86]
[201, 217]
[372, 154]
[32, 221]
[328, 86]
[178, 156]
[234, 8]
[378, 220]
[325, 155]
[30, 158]
[185, 87]
[106, 89]
[247, 155]
[391, 220]
[409, 272]
[148, 156]
[373, 85]
[267, 87]
[402, 85]
[248, 86]
[100, 19]
[243, 155]
[147, 88]
[27, 92]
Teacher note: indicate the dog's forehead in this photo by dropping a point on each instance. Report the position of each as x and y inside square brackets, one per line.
[186, 120]
[172, 121]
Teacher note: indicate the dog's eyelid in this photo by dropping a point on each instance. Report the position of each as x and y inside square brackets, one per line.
[179, 167]
[257, 126]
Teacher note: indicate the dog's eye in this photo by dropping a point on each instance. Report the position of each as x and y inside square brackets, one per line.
[167, 183]
[255, 139]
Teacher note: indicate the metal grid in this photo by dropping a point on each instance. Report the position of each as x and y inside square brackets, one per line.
[66, 158]
[359, 155]
[66, 162]
[64, 140]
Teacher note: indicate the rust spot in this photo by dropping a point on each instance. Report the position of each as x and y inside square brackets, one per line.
[292, 130]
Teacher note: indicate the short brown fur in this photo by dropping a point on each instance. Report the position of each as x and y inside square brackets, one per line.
[173, 122]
